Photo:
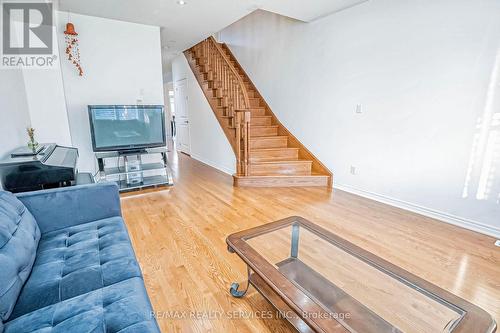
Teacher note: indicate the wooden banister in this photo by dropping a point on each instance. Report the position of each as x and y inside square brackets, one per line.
[231, 66]
[235, 98]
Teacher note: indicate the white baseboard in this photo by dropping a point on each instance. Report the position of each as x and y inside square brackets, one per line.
[445, 217]
[213, 164]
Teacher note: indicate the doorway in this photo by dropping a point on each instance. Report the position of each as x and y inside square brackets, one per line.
[169, 110]
[183, 140]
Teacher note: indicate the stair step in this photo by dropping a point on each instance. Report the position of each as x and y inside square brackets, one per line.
[274, 154]
[221, 109]
[210, 84]
[216, 102]
[268, 142]
[260, 120]
[274, 168]
[252, 94]
[263, 130]
[257, 111]
[281, 181]
[198, 69]
[254, 101]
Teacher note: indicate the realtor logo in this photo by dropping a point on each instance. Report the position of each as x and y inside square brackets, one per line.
[27, 34]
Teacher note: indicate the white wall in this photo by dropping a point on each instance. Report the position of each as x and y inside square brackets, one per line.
[46, 101]
[427, 76]
[14, 111]
[121, 63]
[47, 106]
[208, 142]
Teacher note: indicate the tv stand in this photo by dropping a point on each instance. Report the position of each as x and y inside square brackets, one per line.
[129, 171]
[133, 152]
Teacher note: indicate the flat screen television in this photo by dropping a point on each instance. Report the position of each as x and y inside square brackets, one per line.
[126, 127]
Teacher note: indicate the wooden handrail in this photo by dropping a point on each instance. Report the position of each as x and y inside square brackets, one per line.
[235, 72]
[234, 96]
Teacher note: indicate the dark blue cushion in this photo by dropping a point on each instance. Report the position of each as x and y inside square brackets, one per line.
[19, 236]
[65, 207]
[76, 260]
[122, 307]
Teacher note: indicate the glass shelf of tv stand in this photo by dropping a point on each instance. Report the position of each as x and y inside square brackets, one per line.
[150, 181]
[145, 167]
[150, 171]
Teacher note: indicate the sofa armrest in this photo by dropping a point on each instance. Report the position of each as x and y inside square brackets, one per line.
[69, 206]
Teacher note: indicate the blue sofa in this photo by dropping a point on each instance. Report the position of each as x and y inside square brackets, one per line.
[67, 264]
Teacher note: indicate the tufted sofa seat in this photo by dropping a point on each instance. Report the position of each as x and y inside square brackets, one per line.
[69, 264]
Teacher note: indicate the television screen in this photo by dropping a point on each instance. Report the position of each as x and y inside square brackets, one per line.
[126, 127]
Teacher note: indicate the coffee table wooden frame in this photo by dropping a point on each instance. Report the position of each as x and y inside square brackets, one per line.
[286, 296]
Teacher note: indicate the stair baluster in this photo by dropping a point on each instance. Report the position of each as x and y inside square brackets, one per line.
[230, 85]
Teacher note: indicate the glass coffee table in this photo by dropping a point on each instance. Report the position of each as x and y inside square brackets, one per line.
[320, 282]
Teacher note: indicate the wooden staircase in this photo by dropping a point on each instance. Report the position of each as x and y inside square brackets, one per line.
[267, 154]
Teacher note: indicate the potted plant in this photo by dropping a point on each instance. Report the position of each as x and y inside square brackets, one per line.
[32, 144]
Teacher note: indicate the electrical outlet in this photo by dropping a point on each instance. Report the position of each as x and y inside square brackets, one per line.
[359, 108]
[353, 170]
[497, 243]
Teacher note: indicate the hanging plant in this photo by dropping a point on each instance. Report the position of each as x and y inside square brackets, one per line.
[72, 47]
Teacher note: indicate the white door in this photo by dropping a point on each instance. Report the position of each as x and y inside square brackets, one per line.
[183, 141]
[169, 108]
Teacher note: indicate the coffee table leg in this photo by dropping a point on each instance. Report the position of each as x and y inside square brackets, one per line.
[235, 285]
[294, 252]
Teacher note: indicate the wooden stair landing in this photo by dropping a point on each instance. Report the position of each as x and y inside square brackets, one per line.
[281, 181]
[275, 157]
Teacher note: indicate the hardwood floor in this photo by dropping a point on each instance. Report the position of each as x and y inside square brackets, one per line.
[179, 238]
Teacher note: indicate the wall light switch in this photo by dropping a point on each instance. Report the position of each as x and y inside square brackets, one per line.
[359, 108]
[140, 98]
[353, 170]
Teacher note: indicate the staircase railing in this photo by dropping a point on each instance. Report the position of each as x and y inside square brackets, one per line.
[236, 100]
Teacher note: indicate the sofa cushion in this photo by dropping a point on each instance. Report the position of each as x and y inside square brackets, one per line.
[76, 260]
[19, 237]
[122, 307]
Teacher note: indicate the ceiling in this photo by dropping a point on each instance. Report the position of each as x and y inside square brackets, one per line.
[186, 25]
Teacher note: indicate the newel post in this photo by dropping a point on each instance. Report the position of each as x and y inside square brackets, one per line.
[242, 118]
[237, 119]
[246, 140]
